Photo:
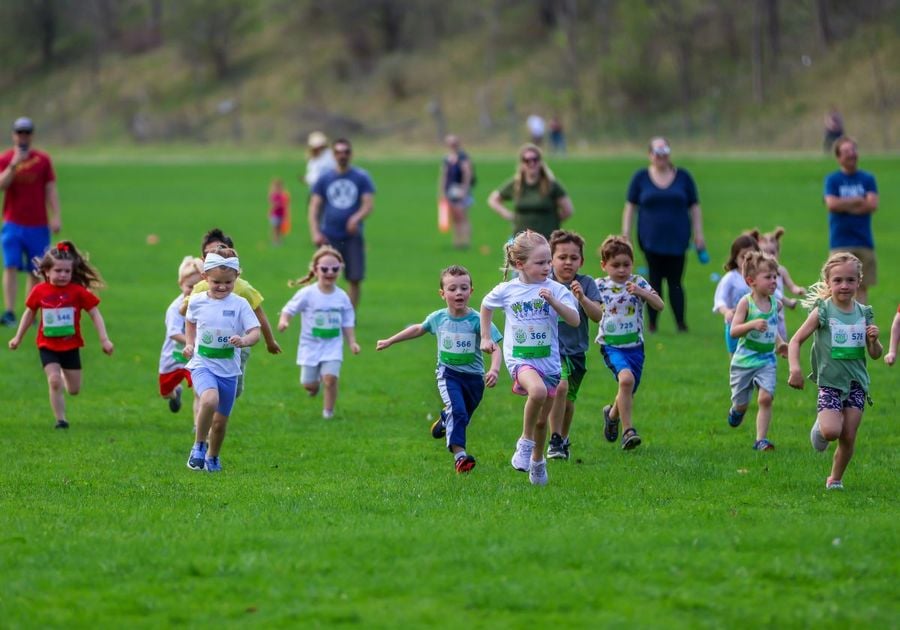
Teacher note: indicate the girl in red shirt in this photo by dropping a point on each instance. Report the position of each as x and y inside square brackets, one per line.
[61, 297]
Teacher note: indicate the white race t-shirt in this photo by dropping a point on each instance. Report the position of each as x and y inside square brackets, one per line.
[731, 288]
[323, 318]
[217, 321]
[531, 331]
[170, 357]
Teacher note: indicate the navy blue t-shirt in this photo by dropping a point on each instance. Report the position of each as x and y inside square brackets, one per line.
[664, 217]
[341, 197]
[454, 170]
[850, 230]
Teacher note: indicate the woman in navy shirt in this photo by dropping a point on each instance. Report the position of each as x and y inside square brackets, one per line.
[669, 213]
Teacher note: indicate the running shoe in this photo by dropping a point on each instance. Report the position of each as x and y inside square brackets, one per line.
[465, 464]
[197, 459]
[521, 459]
[630, 439]
[213, 464]
[537, 474]
[815, 436]
[439, 427]
[61, 424]
[763, 445]
[8, 319]
[834, 484]
[735, 417]
[557, 448]
[175, 403]
[610, 426]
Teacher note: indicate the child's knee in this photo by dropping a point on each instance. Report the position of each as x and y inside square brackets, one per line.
[55, 382]
[626, 380]
[764, 399]
[830, 432]
[209, 400]
[330, 380]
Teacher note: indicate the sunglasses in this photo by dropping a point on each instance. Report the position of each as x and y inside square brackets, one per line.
[24, 132]
[342, 151]
[531, 160]
[325, 269]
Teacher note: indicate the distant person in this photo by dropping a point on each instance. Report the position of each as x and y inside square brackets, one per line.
[770, 243]
[321, 159]
[172, 362]
[557, 136]
[327, 321]
[341, 199]
[851, 196]
[834, 127]
[539, 202]
[669, 217]
[461, 378]
[64, 293]
[536, 129]
[279, 211]
[455, 185]
[732, 286]
[30, 212]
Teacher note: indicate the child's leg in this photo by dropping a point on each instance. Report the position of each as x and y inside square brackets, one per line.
[558, 410]
[310, 379]
[226, 395]
[831, 424]
[217, 433]
[540, 430]
[763, 414]
[846, 442]
[57, 392]
[567, 416]
[624, 399]
[209, 401]
[331, 391]
[72, 381]
[533, 384]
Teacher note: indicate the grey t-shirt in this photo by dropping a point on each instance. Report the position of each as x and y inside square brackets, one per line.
[576, 339]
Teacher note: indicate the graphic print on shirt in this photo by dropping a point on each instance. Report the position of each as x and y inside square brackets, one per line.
[342, 194]
[531, 331]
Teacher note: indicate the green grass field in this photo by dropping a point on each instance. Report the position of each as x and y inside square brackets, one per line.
[362, 520]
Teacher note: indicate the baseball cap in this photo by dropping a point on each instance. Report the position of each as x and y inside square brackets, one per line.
[317, 140]
[23, 124]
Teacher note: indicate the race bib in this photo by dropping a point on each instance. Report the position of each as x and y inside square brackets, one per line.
[178, 353]
[59, 322]
[326, 324]
[621, 328]
[848, 341]
[531, 341]
[455, 348]
[214, 344]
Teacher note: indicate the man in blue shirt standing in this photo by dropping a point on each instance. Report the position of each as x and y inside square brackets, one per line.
[340, 200]
[851, 196]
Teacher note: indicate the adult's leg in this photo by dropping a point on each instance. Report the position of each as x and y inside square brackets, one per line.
[10, 285]
[674, 272]
[655, 269]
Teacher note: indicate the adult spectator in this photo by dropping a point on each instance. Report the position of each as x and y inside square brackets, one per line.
[321, 159]
[341, 199]
[536, 128]
[851, 196]
[539, 202]
[30, 211]
[668, 208]
[557, 136]
[834, 127]
[455, 185]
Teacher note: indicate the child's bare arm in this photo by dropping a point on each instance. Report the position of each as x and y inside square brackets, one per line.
[803, 333]
[739, 324]
[650, 297]
[490, 379]
[891, 355]
[410, 332]
[350, 336]
[249, 338]
[789, 283]
[873, 345]
[190, 335]
[266, 328]
[24, 325]
[284, 320]
[100, 325]
[487, 344]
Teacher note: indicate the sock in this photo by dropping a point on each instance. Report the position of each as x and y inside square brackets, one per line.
[527, 441]
[459, 456]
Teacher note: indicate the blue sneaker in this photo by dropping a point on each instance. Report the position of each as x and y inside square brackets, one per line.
[175, 403]
[763, 445]
[439, 427]
[213, 464]
[735, 417]
[8, 319]
[197, 459]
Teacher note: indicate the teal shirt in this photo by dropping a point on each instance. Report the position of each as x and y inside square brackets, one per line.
[757, 349]
[459, 340]
[839, 347]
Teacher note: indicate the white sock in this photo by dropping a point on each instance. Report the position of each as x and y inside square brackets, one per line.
[459, 455]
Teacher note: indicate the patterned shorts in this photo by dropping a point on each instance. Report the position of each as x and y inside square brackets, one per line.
[830, 398]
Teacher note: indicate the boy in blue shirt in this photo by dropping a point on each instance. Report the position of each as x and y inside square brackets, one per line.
[460, 366]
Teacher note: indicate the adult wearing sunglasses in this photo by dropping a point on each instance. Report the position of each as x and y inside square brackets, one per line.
[539, 202]
[341, 199]
[30, 211]
[668, 216]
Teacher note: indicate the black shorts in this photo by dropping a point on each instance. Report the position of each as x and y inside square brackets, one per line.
[67, 359]
[354, 253]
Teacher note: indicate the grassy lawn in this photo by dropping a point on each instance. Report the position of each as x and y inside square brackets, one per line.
[362, 520]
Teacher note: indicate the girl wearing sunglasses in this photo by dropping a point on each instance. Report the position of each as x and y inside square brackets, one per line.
[327, 318]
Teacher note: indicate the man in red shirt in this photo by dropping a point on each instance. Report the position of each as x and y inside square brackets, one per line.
[30, 211]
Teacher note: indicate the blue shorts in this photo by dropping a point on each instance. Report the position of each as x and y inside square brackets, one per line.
[618, 359]
[22, 243]
[203, 379]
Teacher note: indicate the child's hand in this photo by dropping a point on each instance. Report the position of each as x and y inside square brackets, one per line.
[872, 332]
[789, 302]
[487, 345]
[354, 347]
[782, 350]
[14, 342]
[795, 379]
[729, 315]
[236, 340]
[800, 291]
[273, 347]
[490, 378]
[759, 324]
[188, 351]
[633, 289]
[546, 293]
[381, 344]
[890, 357]
[107, 346]
[282, 326]
[577, 290]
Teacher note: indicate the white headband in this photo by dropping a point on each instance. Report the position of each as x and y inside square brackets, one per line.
[213, 260]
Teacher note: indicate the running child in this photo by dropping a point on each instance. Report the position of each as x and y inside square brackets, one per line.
[621, 334]
[567, 249]
[891, 355]
[770, 243]
[732, 286]
[327, 320]
[212, 242]
[218, 322]
[842, 332]
[61, 297]
[755, 326]
[460, 368]
[171, 358]
[279, 211]
[532, 302]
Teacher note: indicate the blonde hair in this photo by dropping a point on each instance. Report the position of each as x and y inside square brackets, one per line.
[519, 248]
[820, 290]
[773, 237]
[188, 267]
[757, 261]
[545, 175]
[324, 250]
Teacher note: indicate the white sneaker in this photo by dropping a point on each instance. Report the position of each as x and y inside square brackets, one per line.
[818, 440]
[328, 415]
[521, 459]
[537, 474]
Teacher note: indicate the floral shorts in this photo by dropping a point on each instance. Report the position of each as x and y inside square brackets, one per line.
[830, 398]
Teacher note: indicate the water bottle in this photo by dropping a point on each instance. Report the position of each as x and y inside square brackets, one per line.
[703, 256]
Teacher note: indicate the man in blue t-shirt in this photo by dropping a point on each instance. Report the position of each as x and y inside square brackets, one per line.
[851, 196]
[340, 200]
